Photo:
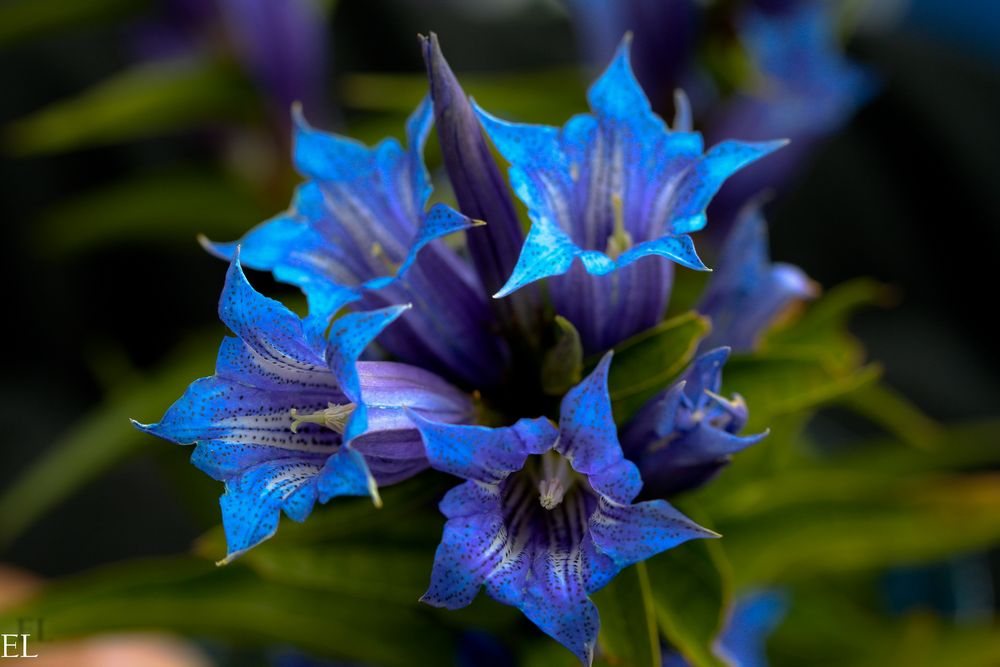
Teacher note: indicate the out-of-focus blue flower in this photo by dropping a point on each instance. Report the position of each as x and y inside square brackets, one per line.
[546, 516]
[290, 418]
[480, 190]
[283, 46]
[747, 291]
[742, 642]
[358, 229]
[806, 90]
[664, 37]
[619, 191]
[686, 434]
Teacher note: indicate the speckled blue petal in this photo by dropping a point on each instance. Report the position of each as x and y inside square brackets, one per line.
[252, 503]
[633, 533]
[484, 454]
[568, 616]
[710, 172]
[470, 549]
[346, 474]
[589, 439]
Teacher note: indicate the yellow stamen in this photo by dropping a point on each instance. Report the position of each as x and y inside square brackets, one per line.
[620, 240]
[334, 417]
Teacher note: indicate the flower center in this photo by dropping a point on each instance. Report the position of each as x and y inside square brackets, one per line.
[620, 240]
[557, 479]
[334, 417]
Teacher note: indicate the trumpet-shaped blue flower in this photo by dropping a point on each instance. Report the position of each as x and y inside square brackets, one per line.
[748, 291]
[742, 642]
[611, 195]
[358, 231]
[290, 418]
[685, 435]
[807, 89]
[547, 514]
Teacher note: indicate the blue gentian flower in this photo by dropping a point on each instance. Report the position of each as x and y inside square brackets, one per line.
[748, 292]
[290, 418]
[547, 514]
[807, 89]
[686, 434]
[742, 642]
[358, 230]
[619, 191]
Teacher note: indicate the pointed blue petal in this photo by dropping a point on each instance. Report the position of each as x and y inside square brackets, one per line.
[264, 324]
[327, 156]
[633, 533]
[252, 503]
[677, 248]
[587, 433]
[616, 93]
[471, 547]
[487, 455]
[557, 603]
[547, 251]
[713, 169]
[346, 474]
[440, 221]
[348, 338]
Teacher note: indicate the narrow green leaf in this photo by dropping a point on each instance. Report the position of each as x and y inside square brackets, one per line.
[691, 591]
[629, 635]
[774, 386]
[101, 440]
[647, 362]
[562, 367]
[919, 519]
[141, 102]
[195, 598]
[895, 413]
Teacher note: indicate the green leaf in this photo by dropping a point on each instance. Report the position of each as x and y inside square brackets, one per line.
[892, 411]
[170, 206]
[99, 441]
[629, 634]
[691, 586]
[144, 101]
[22, 20]
[647, 362]
[875, 524]
[821, 332]
[195, 598]
[774, 386]
[562, 367]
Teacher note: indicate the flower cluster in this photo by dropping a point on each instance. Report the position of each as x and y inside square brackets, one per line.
[405, 362]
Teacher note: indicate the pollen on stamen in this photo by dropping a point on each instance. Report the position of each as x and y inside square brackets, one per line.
[334, 417]
[620, 240]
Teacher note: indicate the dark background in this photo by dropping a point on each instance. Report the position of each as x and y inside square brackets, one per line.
[908, 193]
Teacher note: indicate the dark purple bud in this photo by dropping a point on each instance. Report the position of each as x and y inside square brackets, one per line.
[480, 189]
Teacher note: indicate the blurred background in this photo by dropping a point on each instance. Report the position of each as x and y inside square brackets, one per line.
[127, 127]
